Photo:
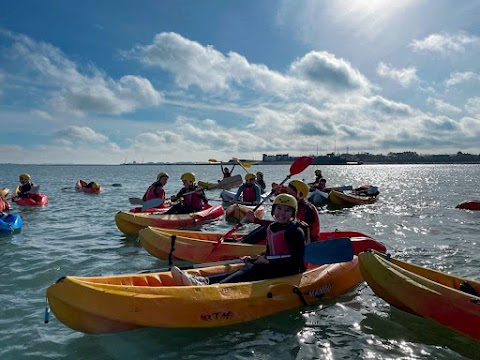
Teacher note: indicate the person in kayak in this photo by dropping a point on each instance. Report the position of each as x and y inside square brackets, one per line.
[156, 191]
[319, 182]
[285, 239]
[260, 181]
[307, 214]
[191, 195]
[226, 171]
[4, 204]
[25, 186]
[92, 185]
[249, 191]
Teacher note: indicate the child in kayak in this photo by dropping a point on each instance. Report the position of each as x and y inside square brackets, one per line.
[4, 204]
[25, 186]
[261, 182]
[285, 239]
[226, 171]
[249, 191]
[307, 213]
[193, 196]
[156, 191]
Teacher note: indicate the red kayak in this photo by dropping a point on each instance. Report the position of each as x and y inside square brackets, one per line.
[81, 185]
[37, 199]
[469, 205]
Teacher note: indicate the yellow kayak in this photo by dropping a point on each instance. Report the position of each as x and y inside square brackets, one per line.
[109, 304]
[339, 198]
[446, 299]
[237, 212]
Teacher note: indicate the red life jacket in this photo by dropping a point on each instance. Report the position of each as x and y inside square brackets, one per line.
[303, 209]
[193, 200]
[249, 194]
[277, 242]
[154, 191]
[4, 204]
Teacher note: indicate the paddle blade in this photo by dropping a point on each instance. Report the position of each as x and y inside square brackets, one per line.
[329, 251]
[151, 203]
[213, 160]
[301, 164]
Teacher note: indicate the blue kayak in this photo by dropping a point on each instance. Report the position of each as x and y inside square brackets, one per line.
[10, 223]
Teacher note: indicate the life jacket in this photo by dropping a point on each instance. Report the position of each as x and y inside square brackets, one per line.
[193, 200]
[4, 204]
[314, 228]
[154, 191]
[277, 242]
[249, 193]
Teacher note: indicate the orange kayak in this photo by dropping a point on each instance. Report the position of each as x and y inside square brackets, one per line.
[201, 246]
[131, 223]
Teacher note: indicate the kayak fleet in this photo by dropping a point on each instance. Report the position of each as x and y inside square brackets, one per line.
[116, 303]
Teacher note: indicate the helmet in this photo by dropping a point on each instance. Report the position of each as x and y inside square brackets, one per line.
[4, 192]
[259, 173]
[249, 176]
[287, 200]
[188, 176]
[162, 174]
[301, 188]
[95, 186]
[25, 177]
[318, 172]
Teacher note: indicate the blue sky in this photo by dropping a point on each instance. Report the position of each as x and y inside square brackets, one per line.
[104, 82]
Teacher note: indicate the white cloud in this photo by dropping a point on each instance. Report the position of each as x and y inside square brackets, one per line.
[81, 134]
[443, 106]
[323, 69]
[473, 106]
[445, 43]
[71, 89]
[461, 77]
[405, 76]
[316, 74]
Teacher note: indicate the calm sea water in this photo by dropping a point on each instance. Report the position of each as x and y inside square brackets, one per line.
[76, 234]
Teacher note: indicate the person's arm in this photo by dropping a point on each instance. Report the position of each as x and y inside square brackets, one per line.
[258, 193]
[239, 193]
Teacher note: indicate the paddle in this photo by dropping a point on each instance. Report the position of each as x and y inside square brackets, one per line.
[243, 165]
[296, 168]
[317, 253]
[152, 203]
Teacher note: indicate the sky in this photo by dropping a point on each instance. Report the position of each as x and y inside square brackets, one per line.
[108, 82]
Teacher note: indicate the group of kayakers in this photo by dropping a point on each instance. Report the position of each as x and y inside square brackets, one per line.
[22, 192]
[295, 223]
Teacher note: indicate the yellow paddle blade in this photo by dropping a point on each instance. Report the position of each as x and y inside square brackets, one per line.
[213, 160]
[246, 164]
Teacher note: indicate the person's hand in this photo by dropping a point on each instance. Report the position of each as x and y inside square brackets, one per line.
[247, 259]
[261, 260]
